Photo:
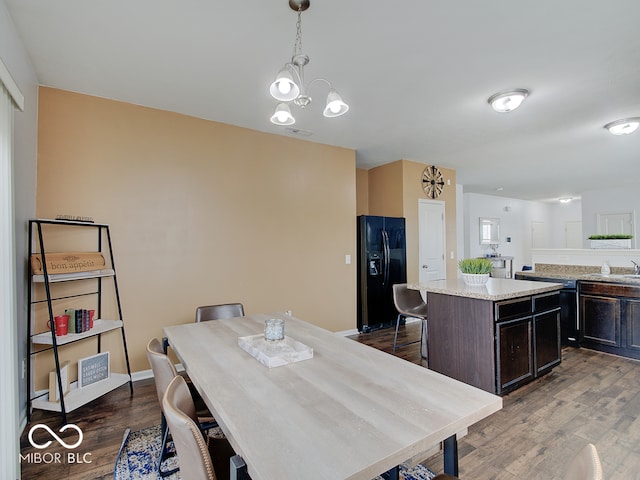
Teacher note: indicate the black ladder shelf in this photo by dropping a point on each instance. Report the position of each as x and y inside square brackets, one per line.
[46, 339]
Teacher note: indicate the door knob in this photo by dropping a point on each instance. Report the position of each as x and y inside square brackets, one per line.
[425, 266]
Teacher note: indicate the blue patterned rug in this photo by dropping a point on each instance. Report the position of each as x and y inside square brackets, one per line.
[139, 453]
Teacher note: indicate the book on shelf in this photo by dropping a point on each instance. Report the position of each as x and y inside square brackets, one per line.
[79, 321]
[72, 319]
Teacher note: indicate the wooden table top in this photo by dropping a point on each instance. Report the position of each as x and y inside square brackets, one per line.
[350, 412]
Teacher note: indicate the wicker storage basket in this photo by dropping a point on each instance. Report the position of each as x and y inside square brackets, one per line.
[474, 279]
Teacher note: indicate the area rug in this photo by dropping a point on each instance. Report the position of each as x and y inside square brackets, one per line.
[419, 472]
[139, 453]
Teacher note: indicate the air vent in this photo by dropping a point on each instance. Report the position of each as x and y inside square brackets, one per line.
[299, 132]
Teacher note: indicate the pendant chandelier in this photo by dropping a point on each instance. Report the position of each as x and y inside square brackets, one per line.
[289, 83]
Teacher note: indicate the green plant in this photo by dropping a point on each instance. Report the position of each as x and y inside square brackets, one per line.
[475, 265]
[618, 236]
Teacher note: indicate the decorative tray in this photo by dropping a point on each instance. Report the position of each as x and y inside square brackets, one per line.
[275, 354]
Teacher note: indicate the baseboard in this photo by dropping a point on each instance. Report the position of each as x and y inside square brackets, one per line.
[142, 375]
[346, 333]
[145, 374]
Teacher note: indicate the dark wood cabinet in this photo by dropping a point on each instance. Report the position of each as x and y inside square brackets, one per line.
[528, 339]
[632, 320]
[495, 346]
[610, 318]
[514, 353]
[547, 341]
[600, 320]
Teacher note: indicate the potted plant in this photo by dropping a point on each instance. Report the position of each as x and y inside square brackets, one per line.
[475, 271]
[611, 241]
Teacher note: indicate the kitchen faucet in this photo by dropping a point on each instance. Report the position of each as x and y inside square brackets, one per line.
[636, 268]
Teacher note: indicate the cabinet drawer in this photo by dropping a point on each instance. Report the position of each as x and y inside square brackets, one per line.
[545, 302]
[519, 307]
[609, 289]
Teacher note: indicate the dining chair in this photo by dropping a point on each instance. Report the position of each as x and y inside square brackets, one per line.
[585, 465]
[217, 312]
[409, 303]
[164, 371]
[199, 458]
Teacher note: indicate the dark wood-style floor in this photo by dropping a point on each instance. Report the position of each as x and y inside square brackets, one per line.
[590, 397]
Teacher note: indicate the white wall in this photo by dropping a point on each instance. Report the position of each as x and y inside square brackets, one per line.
[561, 213]
[17, 61]
[610, 200]
[516, 217]
[516, 223]
[587, 257]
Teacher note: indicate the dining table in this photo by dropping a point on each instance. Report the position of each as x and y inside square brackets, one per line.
[345, 410]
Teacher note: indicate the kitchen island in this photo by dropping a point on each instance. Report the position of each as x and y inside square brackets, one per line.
[496, 337]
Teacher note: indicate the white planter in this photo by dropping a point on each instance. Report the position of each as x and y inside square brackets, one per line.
[475, 279]
[612, 243]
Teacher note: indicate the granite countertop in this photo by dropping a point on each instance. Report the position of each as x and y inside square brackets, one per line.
[578, 272]
[496, 288]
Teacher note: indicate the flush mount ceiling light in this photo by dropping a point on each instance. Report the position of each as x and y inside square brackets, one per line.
[624, 126]
[565, 199]
[506, 101]
[289, 83]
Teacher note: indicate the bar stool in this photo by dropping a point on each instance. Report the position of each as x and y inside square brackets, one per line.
[409, 303]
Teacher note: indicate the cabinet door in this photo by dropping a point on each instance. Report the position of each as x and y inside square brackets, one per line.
[633, 324]
[547, 341]
[600, 320]
[514, 353]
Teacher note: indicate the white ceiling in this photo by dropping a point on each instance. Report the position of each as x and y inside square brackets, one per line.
[416, 74]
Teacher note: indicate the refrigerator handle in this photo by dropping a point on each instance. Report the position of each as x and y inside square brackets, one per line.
[386, 254]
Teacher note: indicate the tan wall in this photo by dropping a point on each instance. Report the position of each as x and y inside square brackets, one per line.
[362, 191]
[202, 212]
[412, 181]
[385, 190]
[394, 190]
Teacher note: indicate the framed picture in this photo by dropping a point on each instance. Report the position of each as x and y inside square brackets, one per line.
[54, 396]
[93, 369]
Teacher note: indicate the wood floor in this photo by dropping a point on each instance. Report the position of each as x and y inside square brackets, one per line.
[590, 397]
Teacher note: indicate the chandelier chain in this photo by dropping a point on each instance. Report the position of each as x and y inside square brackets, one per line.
[297, 47]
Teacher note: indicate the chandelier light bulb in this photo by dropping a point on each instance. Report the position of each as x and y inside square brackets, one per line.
[624, 126]
[283, 87]
[335, 105]
[282, 115]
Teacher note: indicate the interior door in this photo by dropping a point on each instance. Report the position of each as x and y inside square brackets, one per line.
[432, 233]
[539, 235]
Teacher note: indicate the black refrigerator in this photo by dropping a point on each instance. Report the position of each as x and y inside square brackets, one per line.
[382, 261]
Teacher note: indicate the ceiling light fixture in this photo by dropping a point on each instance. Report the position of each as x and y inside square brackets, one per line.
[289, 83]
[624, 126]
[506, 101]
[565, 199]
